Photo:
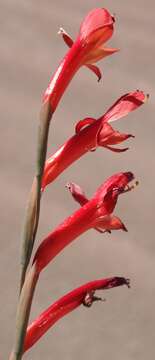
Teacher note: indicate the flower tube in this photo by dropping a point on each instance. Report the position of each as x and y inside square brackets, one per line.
[83, 295]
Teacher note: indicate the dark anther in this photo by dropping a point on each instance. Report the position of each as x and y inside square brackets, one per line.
[90, 298]
[128, 283]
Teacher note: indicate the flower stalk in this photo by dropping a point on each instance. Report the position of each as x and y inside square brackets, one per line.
[33, 208]
[23, 312]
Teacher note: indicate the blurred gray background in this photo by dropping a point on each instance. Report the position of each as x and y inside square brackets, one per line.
[123, 327]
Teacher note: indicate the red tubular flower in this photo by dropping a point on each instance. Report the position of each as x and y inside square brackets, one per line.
[110, 222]
[85, 295]
[90, 134]
[95, 213]
[95, 30]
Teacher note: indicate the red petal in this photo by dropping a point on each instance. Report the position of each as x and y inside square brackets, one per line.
[77, 193]
[124, 105]
[95, 69]
[108, 136]
[117, 150]
[110, 222]
[119, 180]
[98, 53]
[83, 123]
[69, 42]
[97, 27]
[67, 39]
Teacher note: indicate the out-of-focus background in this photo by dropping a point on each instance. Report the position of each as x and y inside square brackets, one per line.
[123, 327]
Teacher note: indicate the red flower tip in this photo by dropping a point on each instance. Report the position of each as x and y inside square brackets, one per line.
[97, 27]
[119, 281]
[95, 30]
[114, 185]
[124, 105]
[108, 192]
[129, 175]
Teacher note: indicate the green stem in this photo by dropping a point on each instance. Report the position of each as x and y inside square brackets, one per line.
[23, 312]
[28, 283]
[33, 207]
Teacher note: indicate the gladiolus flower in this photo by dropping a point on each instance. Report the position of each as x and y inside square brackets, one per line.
[113, 221]
[88, 48]
[90, 134]
[84, 295]
[96, 213]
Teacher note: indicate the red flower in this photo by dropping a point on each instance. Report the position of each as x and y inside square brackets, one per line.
[109, 223]
[95, 30]
[95, 213]
[90, 134]
[84, 295]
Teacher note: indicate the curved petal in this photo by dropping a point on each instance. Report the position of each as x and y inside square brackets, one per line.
[110, 222]
[98, 54]
[66, 37]
[124, 105]
[117, 150]
[108, 136]
[83, 123]
[77, 193]
[119, 180]
[95, 69]
[69, 42]
[97, 27]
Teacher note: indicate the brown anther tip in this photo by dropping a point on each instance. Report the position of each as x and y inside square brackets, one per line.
[68, 186]
[146, 98]
[113, 17]
[61, 31]
[88, 299]
[137, 183]
[128, 283]
[124, 228]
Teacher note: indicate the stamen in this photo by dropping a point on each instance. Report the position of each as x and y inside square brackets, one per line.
[61, 31]
[131, 187]
[128, 283]
[90, 297]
